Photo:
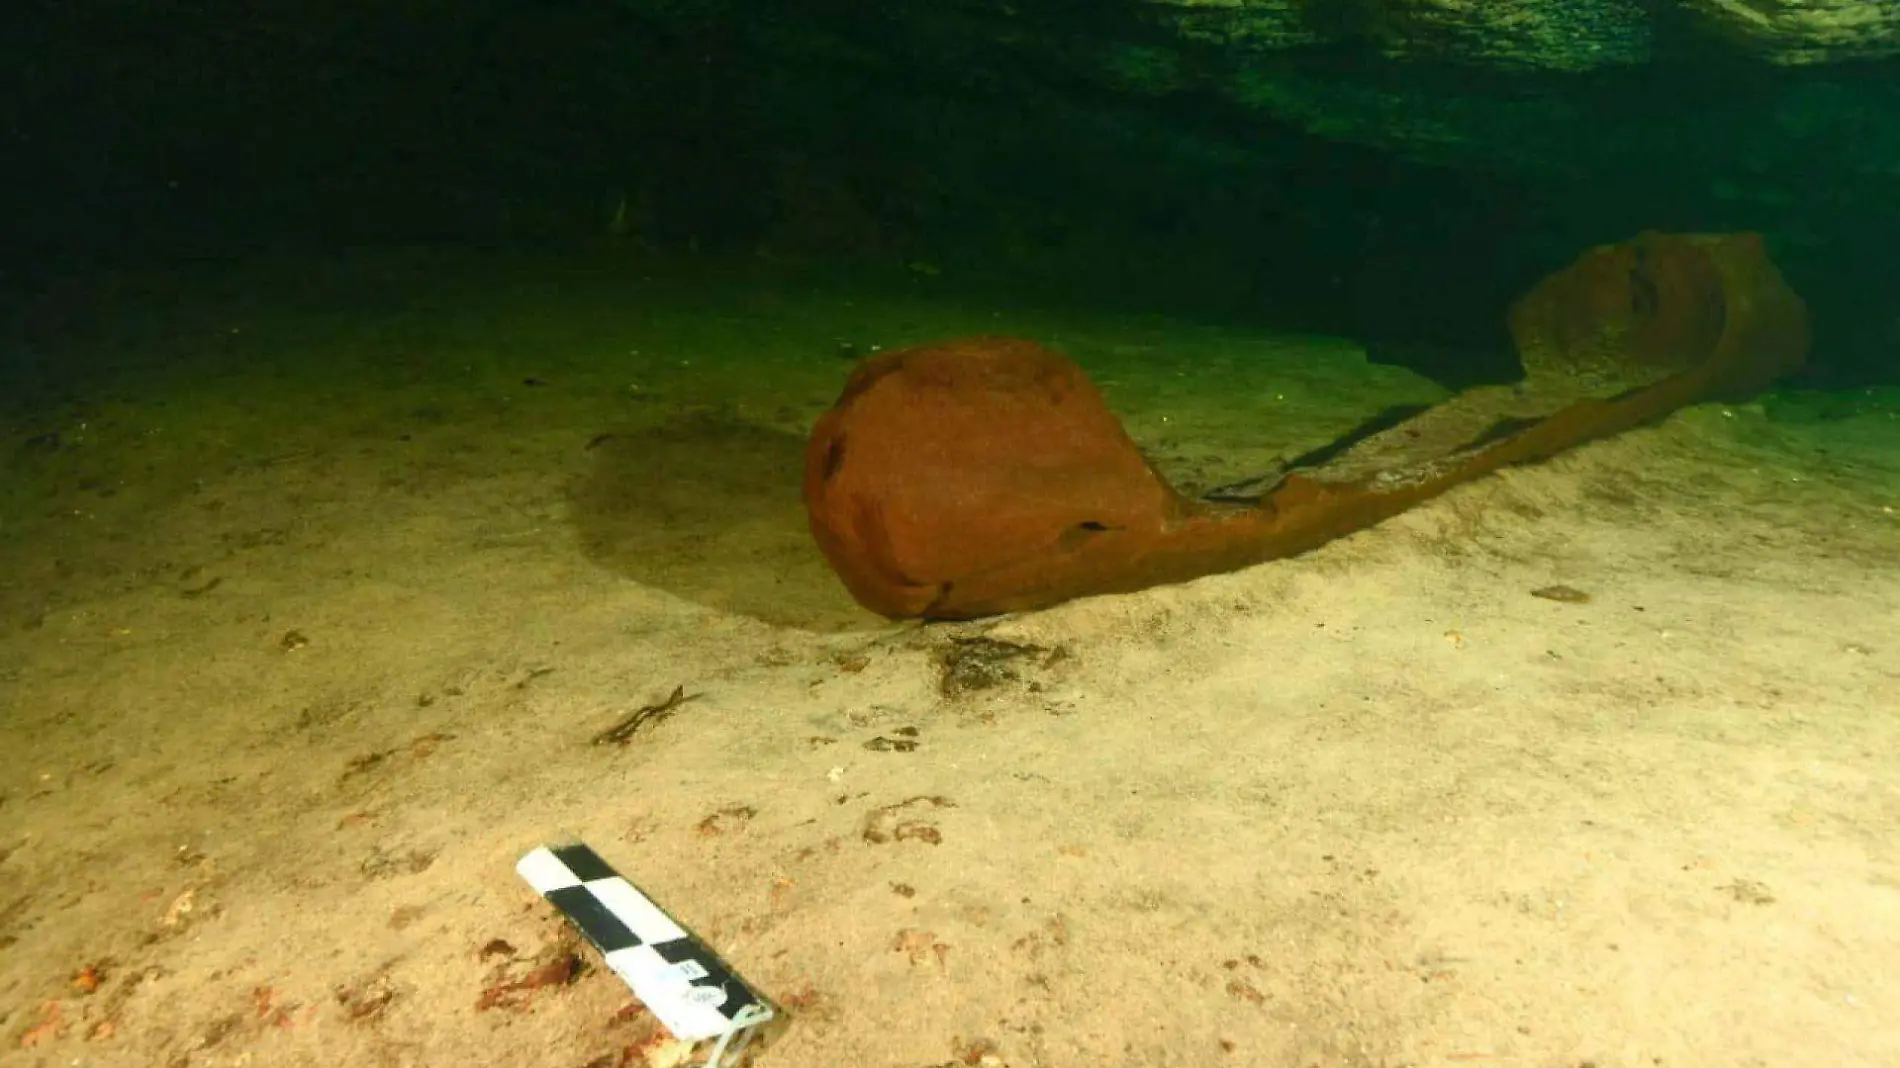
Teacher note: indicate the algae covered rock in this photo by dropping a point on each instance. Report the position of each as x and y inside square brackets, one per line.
[1547, 34]
[1550, 34]
[1804, 31]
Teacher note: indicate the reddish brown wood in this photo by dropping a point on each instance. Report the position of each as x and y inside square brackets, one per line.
[988, 475]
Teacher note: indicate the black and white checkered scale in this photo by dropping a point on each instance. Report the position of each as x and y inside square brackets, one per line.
[685, 985]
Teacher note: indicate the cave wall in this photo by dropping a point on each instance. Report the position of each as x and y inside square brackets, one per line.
[1391, 169]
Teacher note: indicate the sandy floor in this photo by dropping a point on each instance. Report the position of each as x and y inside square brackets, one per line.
[310, 613]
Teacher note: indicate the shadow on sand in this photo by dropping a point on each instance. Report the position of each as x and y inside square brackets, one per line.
[707, 507]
